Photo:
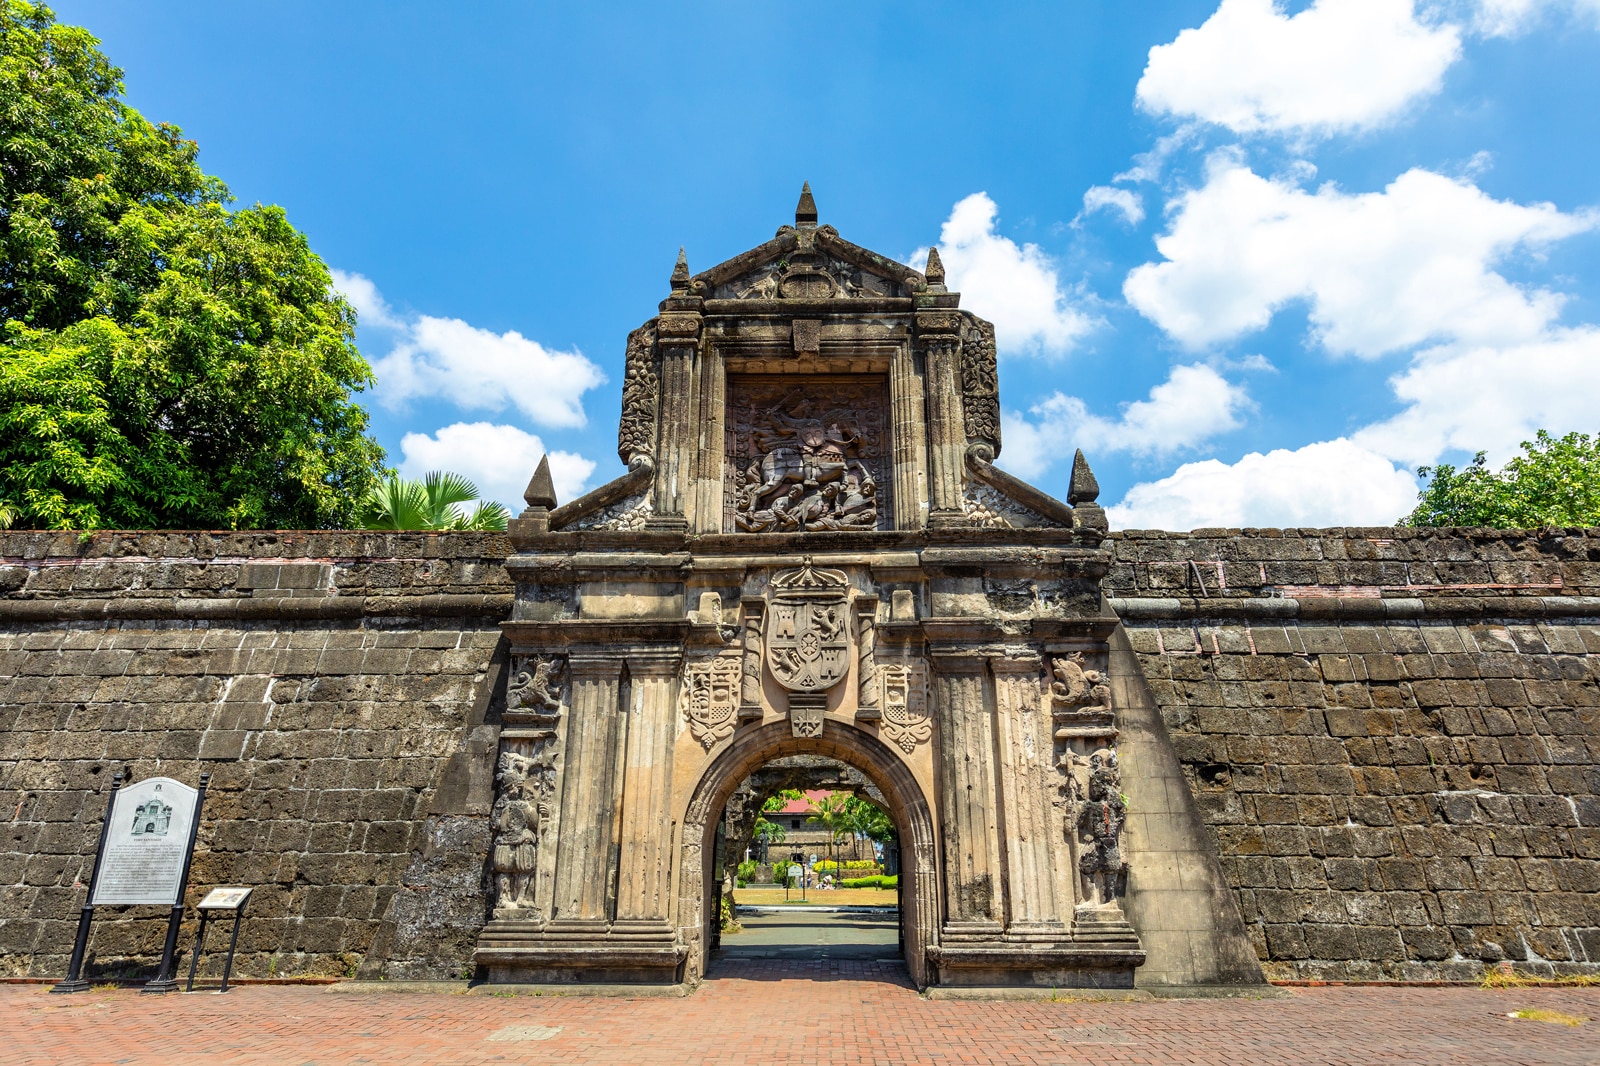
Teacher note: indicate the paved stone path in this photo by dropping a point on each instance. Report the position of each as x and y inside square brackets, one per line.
[791, 1012]
[797, 934]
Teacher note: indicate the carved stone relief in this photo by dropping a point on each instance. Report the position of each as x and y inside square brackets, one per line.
[1080, 700]
[628, 514]
[809, 457]
[806, 640]
[804, 276]
[534, 691]
[987, 507]
[1100, 819]
[980, 383]
[636, 434]
[524, 785]
[709, 697]
[906, 722]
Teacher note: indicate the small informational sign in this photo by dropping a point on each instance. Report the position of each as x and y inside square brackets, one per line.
[224, 899]
[147, 843]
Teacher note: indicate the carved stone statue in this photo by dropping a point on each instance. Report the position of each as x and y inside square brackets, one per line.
[1100, 821]
[538, 690]
[517, 820]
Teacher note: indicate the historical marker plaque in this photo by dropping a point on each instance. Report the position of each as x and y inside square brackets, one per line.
[146, 844]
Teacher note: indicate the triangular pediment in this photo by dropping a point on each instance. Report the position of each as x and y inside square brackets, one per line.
[808, 262]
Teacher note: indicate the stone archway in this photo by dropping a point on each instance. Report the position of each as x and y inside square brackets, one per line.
[908, 807]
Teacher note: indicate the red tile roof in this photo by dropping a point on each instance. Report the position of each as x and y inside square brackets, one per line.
[803, 806]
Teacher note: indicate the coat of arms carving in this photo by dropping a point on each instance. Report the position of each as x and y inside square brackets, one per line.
[710, 698]
[807, 640]
[905, 705]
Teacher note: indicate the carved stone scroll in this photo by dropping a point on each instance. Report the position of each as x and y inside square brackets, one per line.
[806, 458]
[710, 698]
[980, 383]
[905, 705]
[636, 434]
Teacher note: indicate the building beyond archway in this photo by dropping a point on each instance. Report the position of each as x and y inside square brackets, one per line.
[811, 552]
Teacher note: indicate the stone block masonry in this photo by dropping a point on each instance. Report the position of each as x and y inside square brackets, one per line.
[1393, 737]
[336, 686]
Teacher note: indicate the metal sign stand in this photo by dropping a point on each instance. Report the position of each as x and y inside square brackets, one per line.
[165, 979]
[220, 899]
[74, 981]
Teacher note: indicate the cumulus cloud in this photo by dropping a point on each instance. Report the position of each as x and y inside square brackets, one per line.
[1381, 271]
[499, 459]
[1194, 404]
[371, 310]
[1017, 287]
[1331, 483]
[478, 369]
[1125, 202]
[1337, 66]
[1491, 399]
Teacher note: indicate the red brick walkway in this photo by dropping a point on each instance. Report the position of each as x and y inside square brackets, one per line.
[770, 1014]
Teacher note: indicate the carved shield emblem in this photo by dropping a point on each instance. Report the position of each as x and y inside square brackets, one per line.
[808, 629]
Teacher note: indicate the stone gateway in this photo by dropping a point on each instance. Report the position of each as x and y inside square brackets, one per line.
[1110, 759]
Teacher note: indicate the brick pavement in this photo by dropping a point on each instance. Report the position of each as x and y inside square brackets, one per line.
[791, 1012]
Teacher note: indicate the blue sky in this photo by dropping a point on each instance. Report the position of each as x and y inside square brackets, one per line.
[1258, 260]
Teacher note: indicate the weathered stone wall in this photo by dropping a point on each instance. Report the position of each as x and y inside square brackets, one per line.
[335, 685]
[1393, 736]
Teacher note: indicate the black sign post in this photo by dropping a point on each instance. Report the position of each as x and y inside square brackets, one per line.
[166, 980]
[220, 899]
[74, 981]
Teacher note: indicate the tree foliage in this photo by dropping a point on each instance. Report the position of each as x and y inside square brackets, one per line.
[438, 501]
[1554, 482]
[164, 361]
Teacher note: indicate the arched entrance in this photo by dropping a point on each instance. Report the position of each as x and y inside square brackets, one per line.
[913, 818]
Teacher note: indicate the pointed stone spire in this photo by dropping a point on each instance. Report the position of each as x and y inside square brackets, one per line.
[541, 491]
[1083, 488]
[934, 271]
[680, 273]
[805, 212]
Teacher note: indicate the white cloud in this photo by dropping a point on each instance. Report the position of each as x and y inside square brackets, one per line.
[1338, 65]
[1491, 399]
[1125, 202]
[371, 310]
[1015, 287]
[1381, 271]
[1508, 18]
[1194, 404]
[476, 369]
[499, 459]
[1332, 483]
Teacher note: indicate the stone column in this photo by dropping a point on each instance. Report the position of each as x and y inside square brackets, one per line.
[947, 435]
[584, 872]
[750, 709]
[867, 708]
[646, 841]
[679, 334]
[1027, 776]
[910, 441]
[705, 513]
[969, 799]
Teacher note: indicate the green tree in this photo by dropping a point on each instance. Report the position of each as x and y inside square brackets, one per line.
[832, 812]
[1554, 482]
[164, 361]
[438, 501]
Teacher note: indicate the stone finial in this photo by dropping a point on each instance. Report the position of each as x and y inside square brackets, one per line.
[1083, 488]
[805, 212]
[541, 491]
[934, 271]
[680, 273]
